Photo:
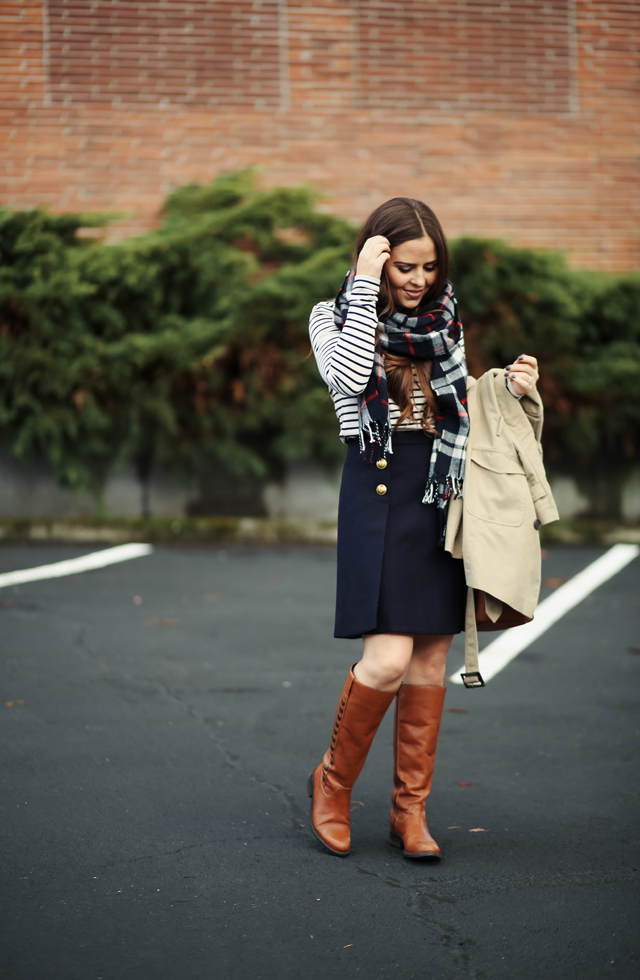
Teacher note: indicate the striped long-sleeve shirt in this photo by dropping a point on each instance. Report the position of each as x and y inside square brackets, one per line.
[345, 357]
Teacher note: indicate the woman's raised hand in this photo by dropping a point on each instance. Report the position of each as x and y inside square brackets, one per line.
[373, 256]
[523, 373]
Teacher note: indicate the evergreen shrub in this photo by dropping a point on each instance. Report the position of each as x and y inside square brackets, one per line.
[190, 344]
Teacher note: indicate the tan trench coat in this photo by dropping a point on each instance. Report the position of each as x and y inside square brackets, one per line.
[506, 500]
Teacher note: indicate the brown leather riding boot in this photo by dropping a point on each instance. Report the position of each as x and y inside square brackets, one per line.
[360, 711]
[415, 739]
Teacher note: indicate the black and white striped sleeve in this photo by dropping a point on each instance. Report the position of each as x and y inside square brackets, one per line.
[345, 357]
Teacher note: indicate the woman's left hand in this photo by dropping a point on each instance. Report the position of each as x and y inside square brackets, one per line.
[523, 374]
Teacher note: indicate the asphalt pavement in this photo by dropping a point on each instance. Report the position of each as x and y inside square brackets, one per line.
[158, 722]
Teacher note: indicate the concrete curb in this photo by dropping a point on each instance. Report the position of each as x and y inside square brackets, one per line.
[189, 530]
[257, 531]
[591, 531]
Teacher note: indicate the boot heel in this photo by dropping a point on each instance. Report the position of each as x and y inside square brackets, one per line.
[394, 840]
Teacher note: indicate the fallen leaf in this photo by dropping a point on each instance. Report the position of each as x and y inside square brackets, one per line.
[157, 621]
[458, 711]
[12, 704]
[455, 826]
[467, 784]
[347, 946]
[477, 830]
[553, 583]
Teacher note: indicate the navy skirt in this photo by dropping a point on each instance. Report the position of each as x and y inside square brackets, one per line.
[392, 575]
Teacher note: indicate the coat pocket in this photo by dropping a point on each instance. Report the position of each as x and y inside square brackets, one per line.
[496, 488]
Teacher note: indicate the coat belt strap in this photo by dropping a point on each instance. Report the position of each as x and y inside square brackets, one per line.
[472, 676]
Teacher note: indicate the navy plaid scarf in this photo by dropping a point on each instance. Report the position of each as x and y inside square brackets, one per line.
[436, 336]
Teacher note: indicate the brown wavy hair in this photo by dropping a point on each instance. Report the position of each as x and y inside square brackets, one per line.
[401, 220]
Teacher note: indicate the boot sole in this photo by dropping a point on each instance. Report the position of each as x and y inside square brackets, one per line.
[315, 832]
[396, 841]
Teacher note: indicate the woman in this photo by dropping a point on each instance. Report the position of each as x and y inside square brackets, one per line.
[391, 351]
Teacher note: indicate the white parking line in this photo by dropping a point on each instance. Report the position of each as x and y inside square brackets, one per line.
[509, 644]
[71, 566]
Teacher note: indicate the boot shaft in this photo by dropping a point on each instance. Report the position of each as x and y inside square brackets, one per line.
[358, 716]
[416, 729]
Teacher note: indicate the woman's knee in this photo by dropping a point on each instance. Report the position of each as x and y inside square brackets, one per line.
[386, 659]
[390, 670]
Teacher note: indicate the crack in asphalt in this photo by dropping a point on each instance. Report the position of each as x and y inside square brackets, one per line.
[423, 898]
[534, 879]
[127, 683]
[186, 847]
[422, 895]
[419, 906]
[232, 760]
[122, 678]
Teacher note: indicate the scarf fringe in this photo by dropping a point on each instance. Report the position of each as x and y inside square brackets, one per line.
[376, 433]
[441, 494]
[451, 488]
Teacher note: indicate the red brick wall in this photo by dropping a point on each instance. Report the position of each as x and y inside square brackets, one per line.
[512, 118]
[150, 53]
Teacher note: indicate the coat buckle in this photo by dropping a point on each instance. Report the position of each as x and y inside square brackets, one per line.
[478, 682]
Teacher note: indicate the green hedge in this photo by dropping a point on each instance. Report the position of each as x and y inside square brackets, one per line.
[190, 343]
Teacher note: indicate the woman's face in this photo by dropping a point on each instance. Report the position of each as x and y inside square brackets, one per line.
[411, 268]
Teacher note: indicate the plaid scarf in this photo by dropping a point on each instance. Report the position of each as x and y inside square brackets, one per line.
[436, 336]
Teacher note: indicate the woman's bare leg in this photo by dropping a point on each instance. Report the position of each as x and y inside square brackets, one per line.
[428, 660]
[385, 660]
